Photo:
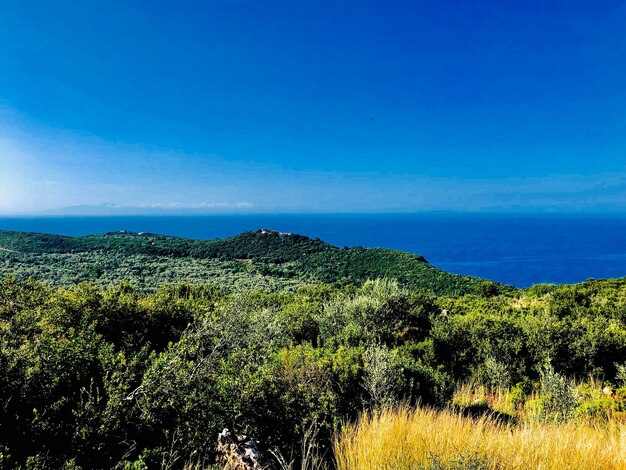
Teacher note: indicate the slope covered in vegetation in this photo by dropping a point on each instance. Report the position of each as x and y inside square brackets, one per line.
[262, 259]
[271, 335]
[93, 378]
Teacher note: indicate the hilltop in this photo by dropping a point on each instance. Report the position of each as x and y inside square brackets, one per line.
[264, 258]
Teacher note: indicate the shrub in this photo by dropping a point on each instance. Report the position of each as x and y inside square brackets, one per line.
[518, 396]
[559, 397]
[596, 408]
[493, 374]
[383, 377]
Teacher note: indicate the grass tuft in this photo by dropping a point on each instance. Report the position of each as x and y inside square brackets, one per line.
[422, 438]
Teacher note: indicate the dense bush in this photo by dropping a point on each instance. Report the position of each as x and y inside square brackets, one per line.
[94, 376]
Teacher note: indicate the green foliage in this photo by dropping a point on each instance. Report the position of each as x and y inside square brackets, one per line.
[596, 408]
[382, 378]
[620, 374]
[559, 396]
[174, 339]
[518, 396]
[493, 374]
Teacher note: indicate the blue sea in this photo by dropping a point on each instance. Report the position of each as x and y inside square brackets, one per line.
[516, 250]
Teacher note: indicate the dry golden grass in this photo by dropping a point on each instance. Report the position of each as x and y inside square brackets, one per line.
[428, 439]
[500, 401]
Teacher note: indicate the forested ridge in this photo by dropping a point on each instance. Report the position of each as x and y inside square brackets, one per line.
[252, 259]
[119, 375]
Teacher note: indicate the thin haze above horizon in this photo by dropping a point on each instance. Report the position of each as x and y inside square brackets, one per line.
[275, 107]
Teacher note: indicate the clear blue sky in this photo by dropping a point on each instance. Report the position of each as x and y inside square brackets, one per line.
[292, 106]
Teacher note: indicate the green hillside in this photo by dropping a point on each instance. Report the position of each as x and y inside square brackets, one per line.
[261, 259]
[287, 339]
